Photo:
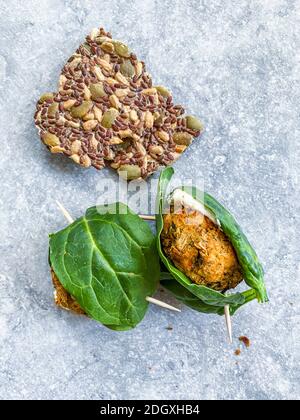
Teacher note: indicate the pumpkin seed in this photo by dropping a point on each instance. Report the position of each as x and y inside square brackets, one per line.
[97, 91]
[127, 69]
[109, 117]
[81, 110]
[182, 138]
[129, 172]
[126, 142]
[108, 47]
[163, 91]
[121, 49]
[193, 123]
[46, 96]
[158, 118]
[101, 39]
[50, 139]
[53, 109]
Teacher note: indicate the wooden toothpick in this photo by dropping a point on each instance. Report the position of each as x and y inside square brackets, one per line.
[146, 217]
[228, 322]
[64, 212]
[162, 304]
[148, 298]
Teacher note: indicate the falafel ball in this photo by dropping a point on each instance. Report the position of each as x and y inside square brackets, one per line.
[63, 298]
[201, 250]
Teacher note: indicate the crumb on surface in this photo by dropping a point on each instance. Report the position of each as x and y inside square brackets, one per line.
[245, 340]
[237, 352]
[169, 328]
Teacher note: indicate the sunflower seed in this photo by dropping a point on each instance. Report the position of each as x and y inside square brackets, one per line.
[129, 172]
[50, 139]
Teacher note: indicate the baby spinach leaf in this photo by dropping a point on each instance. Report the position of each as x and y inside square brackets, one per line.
[185, 296]
[108, 263]
[210, 301]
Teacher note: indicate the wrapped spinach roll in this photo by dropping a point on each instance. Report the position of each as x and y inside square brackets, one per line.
[204, 251]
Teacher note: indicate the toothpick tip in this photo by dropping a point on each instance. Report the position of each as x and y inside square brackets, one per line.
[228, 322]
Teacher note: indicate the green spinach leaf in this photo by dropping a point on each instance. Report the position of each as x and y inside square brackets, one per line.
[185, 296]
[108, 263]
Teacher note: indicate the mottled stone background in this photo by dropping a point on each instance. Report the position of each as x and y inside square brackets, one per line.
[235, 64]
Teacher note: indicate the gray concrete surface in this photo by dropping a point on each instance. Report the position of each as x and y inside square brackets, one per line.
[235, 64]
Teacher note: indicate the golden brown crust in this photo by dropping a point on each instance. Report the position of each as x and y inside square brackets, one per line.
[63, 298]
[201, 250]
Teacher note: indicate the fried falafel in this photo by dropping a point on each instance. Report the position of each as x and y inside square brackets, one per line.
[63, 299]
[200, 249]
